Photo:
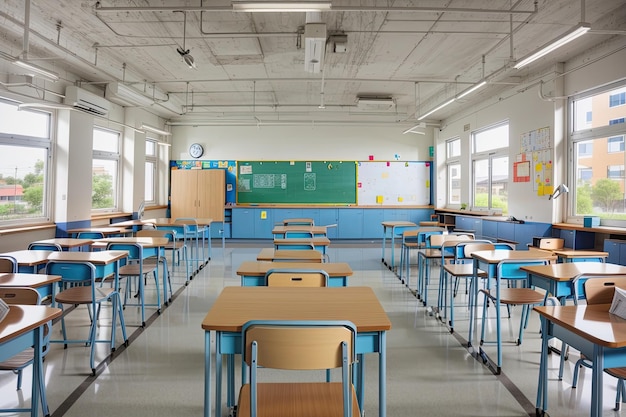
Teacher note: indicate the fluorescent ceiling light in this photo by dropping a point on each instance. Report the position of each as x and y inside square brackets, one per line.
[471, 89]
[281, 6]
[156, 130]
[417, 126]
[567, 37]
[436, 109]
[125, 95]
[37, 70]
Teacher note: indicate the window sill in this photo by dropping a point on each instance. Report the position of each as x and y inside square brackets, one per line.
[13, 230]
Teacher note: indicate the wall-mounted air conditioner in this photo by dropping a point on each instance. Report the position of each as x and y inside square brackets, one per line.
[86, 101]
[127, 96]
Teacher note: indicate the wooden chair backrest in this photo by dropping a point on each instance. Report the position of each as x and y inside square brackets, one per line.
[299, 347]
[600, 290]
[20, 295]
[475, 247]
[8, 264]
[152, 233]
[301, 279]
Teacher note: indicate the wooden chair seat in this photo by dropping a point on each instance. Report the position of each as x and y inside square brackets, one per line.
[315, 399]
[463, 270]
[20, 360]
[130, 270]
[517, 296]
[82, 295]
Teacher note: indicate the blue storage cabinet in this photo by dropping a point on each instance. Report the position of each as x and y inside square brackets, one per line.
[327, 217]
[490, 230]
[243, 223]
[372, 220]
[474, 224]
[577, 239]
[614, 248]
[281, 214]
[350, 224]
[263, 227]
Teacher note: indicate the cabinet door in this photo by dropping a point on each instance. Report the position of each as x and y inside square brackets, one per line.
[613, 249]
[184, 193]
[211, 194]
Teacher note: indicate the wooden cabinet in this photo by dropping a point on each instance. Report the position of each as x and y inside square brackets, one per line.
[199, 193]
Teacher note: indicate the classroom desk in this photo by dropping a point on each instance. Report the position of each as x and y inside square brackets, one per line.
[253, 272]
[66, 243]
[488, 261]
[305, 255]
[29, 260]
[575, 255]
[21, 329]
[395, 228]
[593, 331]
[152, 247]
[237, 305]
[105, 230]
[166, 223]
[303, 243]
[315, 231]
[44, 284]
[557, 279]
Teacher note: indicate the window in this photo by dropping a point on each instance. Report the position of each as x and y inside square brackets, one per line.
[105, 170]
[24, 167]
[616, 144]
[453, 153]
[490, 167]
[151, 172]
[597, 183]
[615, 171]
[618, 99]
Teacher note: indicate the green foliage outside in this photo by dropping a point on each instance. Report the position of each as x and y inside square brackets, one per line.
[102, 192]
[497, 202]
[32, 197]
[605, 194]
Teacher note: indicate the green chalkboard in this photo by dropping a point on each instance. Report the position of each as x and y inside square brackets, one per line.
[296, 182]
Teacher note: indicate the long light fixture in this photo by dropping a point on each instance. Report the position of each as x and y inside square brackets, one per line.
[156, 130]
[567, 37]
[125, 95]
[37, 70]
[471, 89]
[281, 6]
[437, 109]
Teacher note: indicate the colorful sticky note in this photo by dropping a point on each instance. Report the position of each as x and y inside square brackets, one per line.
[379, 199]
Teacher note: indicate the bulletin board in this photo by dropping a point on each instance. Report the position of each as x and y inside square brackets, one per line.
[536, 150]
[394, 183]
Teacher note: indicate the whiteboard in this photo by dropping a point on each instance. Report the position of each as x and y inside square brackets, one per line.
[393, 183]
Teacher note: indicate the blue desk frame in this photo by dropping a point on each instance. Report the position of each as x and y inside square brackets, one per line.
[396, 228]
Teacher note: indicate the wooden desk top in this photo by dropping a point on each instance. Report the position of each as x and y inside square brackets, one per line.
[397, 223]
[570, 270]
[415, 232]
[260, 268]
[27, 280]
[495, 256]
[592, 322]
[66, 242]
[147, 242]
[29, 257]
[298, 221]
[238, 305]
[316, 230]
[271, 254]
[106, 230]
[103, 257]
[316, 241]
[571, 253]
[23, 318]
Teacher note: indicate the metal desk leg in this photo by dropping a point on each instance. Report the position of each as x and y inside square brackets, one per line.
[207, 374]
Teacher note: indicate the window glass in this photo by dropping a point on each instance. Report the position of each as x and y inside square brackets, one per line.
[496, 137]
[490, 171]
[24, 165]
[105, 170]
[453, 148]
[599, 156]
[454, 183]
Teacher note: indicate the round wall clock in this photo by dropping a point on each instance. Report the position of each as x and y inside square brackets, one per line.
[196, 150]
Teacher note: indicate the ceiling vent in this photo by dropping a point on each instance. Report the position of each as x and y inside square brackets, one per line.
[376, 103]
[86, 101]
[314, 46]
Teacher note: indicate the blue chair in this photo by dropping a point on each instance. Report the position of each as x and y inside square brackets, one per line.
[17, 363]
[90, 235]
[509, 270]
[45, 246]
[85, 290]
[198, 234]
[303, 346]
[134, 266]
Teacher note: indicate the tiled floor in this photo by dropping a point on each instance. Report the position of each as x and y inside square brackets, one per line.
[429, 371]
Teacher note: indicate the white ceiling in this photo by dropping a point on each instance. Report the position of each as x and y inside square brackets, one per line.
[250, 66]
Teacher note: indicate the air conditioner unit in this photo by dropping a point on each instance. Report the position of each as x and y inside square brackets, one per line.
[127, 96]
[314, 46]
[86, 101]
[375, 103]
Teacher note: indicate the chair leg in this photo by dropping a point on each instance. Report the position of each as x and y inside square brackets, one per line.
[19, 379]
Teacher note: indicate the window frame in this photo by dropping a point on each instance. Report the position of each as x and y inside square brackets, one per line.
[452, 160]
[110, 156]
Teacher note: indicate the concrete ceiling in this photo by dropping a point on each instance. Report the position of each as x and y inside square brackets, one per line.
[250, 66]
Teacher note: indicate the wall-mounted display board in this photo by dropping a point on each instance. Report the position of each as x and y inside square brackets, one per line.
[228, 166]
[394, 183]
[296, 182]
